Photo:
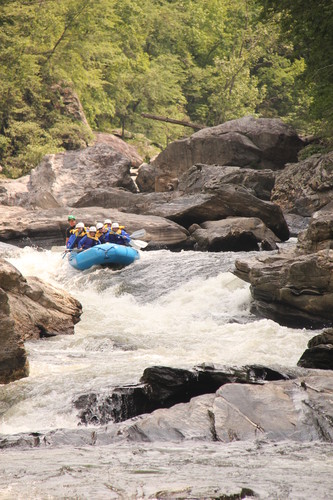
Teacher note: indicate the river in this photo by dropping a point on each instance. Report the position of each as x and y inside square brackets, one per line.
[172, 309]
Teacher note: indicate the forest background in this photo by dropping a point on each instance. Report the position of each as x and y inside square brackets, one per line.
[202, 61]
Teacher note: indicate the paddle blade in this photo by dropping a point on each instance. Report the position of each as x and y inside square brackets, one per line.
[141, 233]
[138, 244]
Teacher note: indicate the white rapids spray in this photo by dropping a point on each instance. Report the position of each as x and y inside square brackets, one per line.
[171, 309]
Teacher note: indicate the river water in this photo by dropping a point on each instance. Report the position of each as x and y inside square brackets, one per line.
[171, 309]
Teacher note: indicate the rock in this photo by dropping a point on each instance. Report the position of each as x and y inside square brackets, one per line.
[319, 233]
[305, 187]
[262, 143]
[294, 290]
[227, 201]
[145, 179]
[37, 308]
[163, 387]
[119, 145]
[69, 102]
[29, 309]
[296, 223]
[47, 227]
[63, 178]
[320, 352]
[298, 410]
[201, 177]
[13, 357]
[233, 234]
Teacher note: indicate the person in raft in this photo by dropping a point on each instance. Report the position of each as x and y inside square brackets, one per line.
[102, 232]
[77, 234]
[118, 235]
[71, 222]
[90, 240]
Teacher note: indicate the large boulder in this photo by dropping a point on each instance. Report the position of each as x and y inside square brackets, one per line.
[227, 201]
[294, 290]
[47, 227]
[262, 143]
[63, 178]
[233, 234]
[297, 410]
[210, 177]
[305, 187]
[29, 309]
[163, 387]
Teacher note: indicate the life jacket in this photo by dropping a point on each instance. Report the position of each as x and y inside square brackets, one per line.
[88, 242]
[120, 237]
[75, 238]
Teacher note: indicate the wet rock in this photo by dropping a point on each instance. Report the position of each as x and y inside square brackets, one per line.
[29, 309]
[163, 387]
[233, 234]
[299, 410]
[305, 187]
[294, 290]
[247, 142]
[320, 352]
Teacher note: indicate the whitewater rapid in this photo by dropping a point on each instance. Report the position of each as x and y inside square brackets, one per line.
[173, 309]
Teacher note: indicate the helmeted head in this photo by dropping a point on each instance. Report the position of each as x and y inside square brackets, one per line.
[115, 226]
[108, 222]
[71, 220]
[99, 225]
[79, 225]
[92, 229]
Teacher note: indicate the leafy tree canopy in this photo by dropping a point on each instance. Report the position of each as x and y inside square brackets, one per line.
[190, 60]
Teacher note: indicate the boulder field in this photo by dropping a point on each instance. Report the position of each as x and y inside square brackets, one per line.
[233, 187]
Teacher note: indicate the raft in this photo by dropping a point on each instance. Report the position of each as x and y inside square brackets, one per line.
[106, 254]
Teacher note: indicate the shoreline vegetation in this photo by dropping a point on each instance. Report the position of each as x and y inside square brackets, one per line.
[68, 68]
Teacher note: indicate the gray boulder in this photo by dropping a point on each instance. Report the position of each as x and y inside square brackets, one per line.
[229, 200]
[233, 234]
[63, 178]
[46, 228]
[305, 187]
[247, 142]
[201, 177]
[294, 290]
[297, 410]
[319, 233]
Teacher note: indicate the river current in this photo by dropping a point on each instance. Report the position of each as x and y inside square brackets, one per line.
[171, 309]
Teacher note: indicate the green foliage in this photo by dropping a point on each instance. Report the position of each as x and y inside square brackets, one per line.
[191, 60]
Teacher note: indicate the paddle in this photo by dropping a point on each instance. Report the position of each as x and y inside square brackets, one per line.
[141, 233]
[138, 244]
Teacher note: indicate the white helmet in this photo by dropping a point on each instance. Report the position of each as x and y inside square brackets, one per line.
[99, 225]
[115, 225]
[92, 229]
[107, 221]
[79, 225]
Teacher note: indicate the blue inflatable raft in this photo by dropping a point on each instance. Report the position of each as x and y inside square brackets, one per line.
[106, 254]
